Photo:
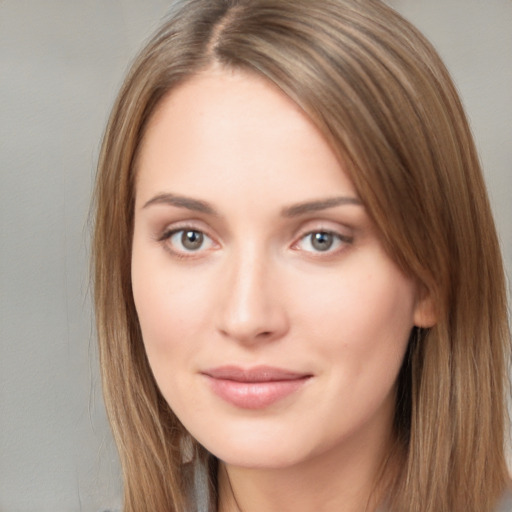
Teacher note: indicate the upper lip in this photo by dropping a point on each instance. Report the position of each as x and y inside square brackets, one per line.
[254, 374]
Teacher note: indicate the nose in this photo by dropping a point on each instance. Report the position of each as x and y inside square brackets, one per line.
[251, 305]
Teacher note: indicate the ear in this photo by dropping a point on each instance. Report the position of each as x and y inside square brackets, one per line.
[425, 311]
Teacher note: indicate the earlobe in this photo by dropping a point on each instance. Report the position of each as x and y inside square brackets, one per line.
[425, 312]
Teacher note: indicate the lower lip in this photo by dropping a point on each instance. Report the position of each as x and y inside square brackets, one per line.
[254, 395]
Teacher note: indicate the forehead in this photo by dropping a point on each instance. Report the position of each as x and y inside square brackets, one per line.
[226, 130]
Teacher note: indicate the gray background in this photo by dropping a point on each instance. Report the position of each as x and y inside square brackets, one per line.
[61, 63]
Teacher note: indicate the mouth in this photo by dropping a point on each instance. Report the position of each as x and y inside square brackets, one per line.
[254, 388]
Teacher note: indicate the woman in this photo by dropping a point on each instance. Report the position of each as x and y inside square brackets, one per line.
[299, 293]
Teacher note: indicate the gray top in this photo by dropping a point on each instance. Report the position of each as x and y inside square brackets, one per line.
[506, 503]
[202, 499]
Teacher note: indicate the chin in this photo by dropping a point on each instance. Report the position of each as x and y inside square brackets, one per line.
[258, 458]
[259, 448]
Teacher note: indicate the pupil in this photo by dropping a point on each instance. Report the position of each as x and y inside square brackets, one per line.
[322, 241]
[192, 240]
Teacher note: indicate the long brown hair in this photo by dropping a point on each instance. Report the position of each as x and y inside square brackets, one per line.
[382, 97]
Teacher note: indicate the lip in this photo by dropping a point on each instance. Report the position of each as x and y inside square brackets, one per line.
[254, 388]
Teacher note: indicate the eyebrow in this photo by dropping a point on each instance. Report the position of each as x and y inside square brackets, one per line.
[321, 204]
[182, 202]
[290, 211]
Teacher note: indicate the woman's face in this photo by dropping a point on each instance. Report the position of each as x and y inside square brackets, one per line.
[273, 320]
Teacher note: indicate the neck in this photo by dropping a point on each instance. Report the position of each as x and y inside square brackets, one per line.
[344, 479]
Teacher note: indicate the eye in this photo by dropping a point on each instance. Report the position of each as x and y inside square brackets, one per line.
[322, 241]
[186, 241]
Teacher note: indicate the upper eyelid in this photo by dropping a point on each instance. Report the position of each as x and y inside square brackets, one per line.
[192, 225]
[323, 225]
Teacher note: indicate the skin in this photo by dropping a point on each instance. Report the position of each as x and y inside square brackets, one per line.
[259, 292]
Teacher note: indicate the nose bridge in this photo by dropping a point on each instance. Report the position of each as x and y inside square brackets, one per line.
[251, 308]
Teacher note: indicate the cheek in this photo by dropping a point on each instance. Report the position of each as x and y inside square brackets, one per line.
[354, 300]
[168, 307]
[361, 320]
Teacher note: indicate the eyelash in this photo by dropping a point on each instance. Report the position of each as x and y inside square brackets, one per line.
[165, 238]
